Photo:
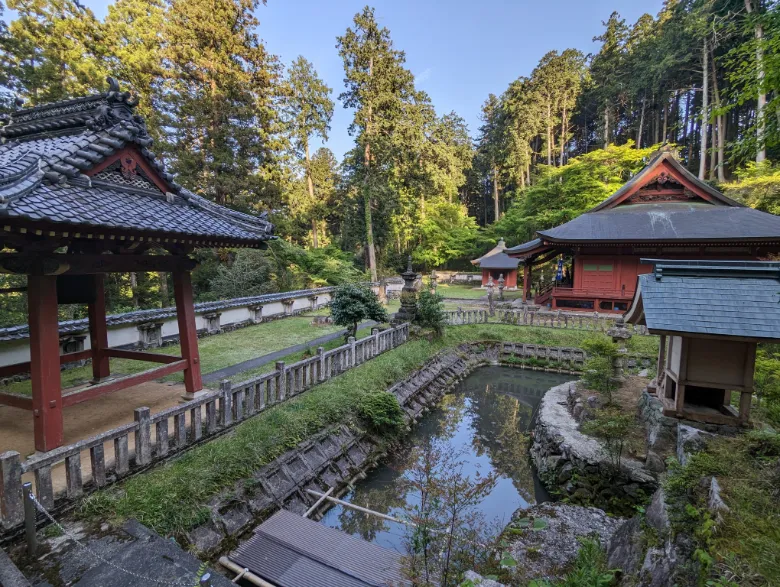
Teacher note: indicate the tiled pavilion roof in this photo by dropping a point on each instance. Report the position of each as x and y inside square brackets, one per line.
[57, 170]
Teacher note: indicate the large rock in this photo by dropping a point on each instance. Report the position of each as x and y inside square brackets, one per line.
[626, 548]
[479, 581]
[579, 466]
[547, 552]
[690, 440]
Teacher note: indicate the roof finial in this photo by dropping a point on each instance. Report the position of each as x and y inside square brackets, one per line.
[113, 85]
[18, 102]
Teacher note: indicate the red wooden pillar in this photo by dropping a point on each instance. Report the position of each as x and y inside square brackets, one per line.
[45, 361]
[98, 333]
[188, 335]
[526, 282]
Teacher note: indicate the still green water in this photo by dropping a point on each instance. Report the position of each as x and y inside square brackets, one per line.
[483, 421]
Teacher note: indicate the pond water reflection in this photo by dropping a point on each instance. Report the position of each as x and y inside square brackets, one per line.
[484, 420]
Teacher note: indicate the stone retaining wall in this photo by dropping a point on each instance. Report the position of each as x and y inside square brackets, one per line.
[330, 459]
[578, 466]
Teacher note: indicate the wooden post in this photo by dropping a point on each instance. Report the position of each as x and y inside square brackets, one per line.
[526, 282]
[98, 333]
[661, 366]
[185, 313]
[45, 361]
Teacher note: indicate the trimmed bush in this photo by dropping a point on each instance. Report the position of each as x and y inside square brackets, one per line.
[381, 413]
[430, 311]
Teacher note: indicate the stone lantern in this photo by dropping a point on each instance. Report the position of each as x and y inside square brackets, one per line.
[433, 281]
[408, 296]
[490, 287]
[620, 336]
[501, 282]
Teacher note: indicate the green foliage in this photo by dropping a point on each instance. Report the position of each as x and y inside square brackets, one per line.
[590, 569]
[430, 311]
[281, 267]
[598, 375]
[561, 194]
[612, 426]
[381, 413]
[600, 346]
[352, 304]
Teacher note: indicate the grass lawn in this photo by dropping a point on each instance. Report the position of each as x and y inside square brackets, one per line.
[465, 292]
[216, 351]
[171, 499]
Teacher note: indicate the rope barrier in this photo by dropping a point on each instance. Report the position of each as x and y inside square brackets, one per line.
[190, 583]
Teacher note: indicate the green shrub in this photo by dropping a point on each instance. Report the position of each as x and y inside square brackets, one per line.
[598, 375]
[600, 347]
[430, 311]
[613, 427]
[354, 303]
[763, 443]
[381, 413]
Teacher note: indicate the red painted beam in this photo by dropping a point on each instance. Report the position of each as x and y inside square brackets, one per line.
[123, 383]
[188, 335]
[45, 361]
[98, 332]
[16, 401]
[141, 356]
[17, 368]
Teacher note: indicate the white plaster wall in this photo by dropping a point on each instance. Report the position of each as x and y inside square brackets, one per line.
[14, 352]
[273, 309]
[171, 327]
[233, 316]
[19, 351]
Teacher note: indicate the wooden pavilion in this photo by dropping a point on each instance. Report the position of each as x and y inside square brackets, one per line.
[709, 315]
[81, 195]
[496, 263]
[664, 211]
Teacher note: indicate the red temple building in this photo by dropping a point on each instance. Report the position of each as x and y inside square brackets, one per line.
[81, 195]
[663, 212]
[496, 263]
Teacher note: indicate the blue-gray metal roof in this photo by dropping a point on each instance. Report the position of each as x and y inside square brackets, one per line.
[726, 298]
[291, 551]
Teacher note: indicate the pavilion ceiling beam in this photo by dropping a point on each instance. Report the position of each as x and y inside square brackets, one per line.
[59, 264]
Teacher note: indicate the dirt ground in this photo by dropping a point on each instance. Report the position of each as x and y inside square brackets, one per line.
[87, 419]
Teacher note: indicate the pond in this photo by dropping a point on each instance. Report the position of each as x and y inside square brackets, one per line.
[484, 420]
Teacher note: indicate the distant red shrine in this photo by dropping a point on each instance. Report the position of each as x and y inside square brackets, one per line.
[662, 212]
[496, 263]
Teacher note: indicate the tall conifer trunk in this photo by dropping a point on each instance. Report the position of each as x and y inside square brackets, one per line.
[366, 189]
[310, 183]
[641, 124]
[761, 100]
[705, 108]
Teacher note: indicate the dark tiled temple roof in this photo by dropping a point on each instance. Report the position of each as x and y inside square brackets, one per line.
[668, 221]
[708, 216]
[496, 258]
[666, 156]
[155, 315]
[723, 298]
[47, 152]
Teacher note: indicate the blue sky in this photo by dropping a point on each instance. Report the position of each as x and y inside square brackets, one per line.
[459, 50]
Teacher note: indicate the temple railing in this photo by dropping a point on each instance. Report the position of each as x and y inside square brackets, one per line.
[152, 438]
[576, 321]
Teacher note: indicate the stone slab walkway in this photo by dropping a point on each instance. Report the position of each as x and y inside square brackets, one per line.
[134, 548]
[231, 370]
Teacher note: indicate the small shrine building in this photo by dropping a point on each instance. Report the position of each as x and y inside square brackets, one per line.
[710, 316]
[81, 195]
[664, 211]
[496, 263]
